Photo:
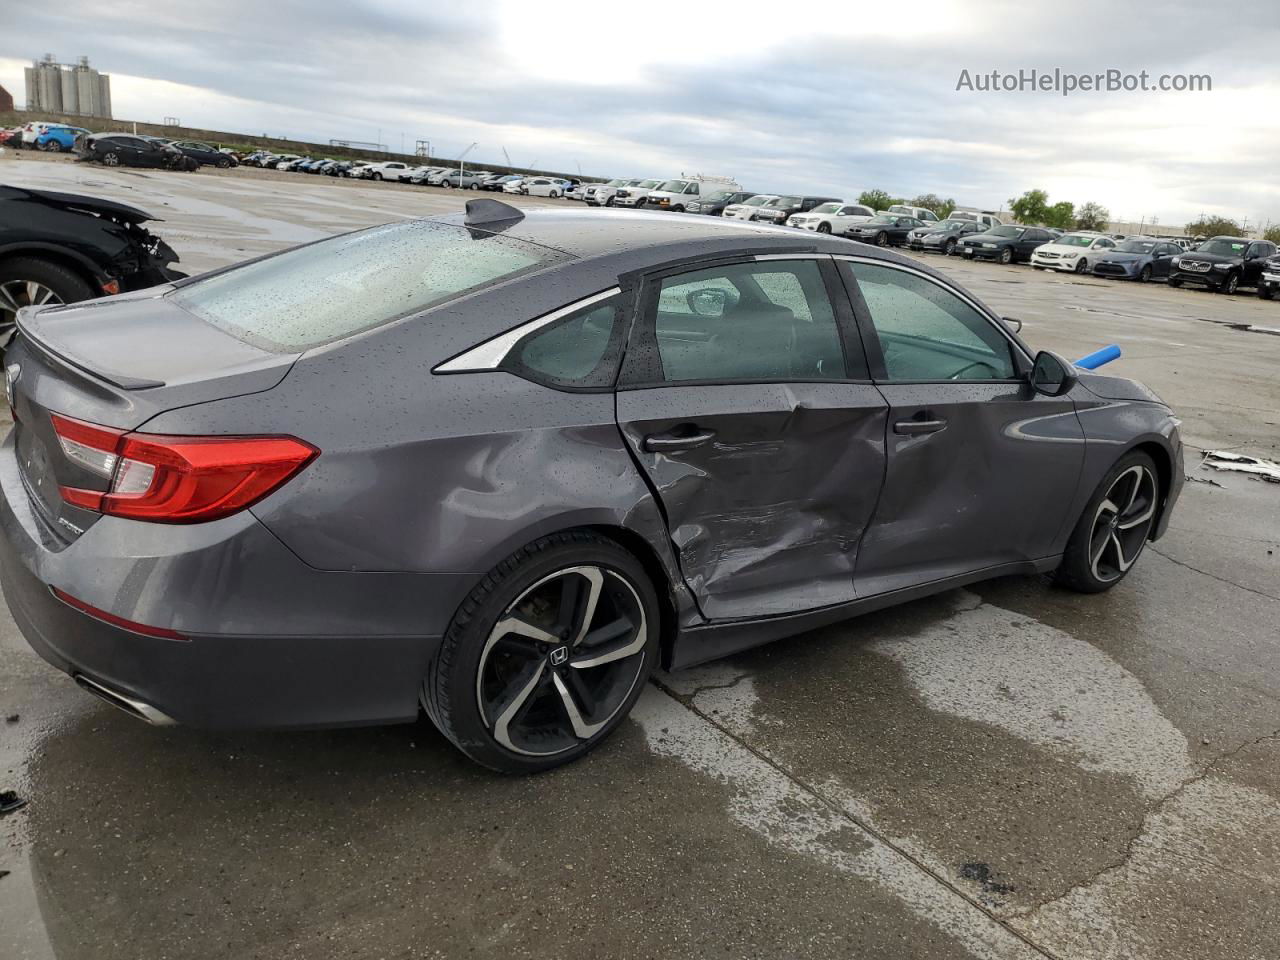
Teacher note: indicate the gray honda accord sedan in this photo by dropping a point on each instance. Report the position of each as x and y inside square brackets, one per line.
[501, 466]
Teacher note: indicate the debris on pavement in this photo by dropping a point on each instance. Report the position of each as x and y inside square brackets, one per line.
[1267, 470]
[1209, 480]
[10, 801]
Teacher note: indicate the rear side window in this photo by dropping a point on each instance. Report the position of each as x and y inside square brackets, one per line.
[335, 288]
[770, 320]
[580, 350]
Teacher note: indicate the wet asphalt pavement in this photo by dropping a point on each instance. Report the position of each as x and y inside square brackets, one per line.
[1007, 771]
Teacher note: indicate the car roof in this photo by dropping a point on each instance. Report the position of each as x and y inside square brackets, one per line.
[601, 233]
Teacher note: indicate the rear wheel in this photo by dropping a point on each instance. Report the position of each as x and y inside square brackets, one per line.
[1113, 530]
[475, 186]
[377, 176]
[29, 281]
[224, 163]
[555, 194]
[546, 656]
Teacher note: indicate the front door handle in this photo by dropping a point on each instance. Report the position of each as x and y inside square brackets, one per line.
[662, 442]
[914, 427]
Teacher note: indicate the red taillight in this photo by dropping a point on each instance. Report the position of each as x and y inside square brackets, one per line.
[177, 479]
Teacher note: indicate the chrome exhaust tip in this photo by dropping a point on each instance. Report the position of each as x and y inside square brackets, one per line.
[131, 706]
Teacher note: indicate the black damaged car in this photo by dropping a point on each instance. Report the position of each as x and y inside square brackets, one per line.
[64, 247]
[1222, 264]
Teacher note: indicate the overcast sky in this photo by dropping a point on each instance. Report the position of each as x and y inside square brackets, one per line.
[822, 97]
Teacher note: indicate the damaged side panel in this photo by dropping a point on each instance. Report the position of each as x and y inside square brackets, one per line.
[766, 487]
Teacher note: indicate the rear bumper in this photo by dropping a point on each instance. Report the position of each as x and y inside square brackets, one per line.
[268, 641]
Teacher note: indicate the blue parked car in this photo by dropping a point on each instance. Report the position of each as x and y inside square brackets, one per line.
[59, 139]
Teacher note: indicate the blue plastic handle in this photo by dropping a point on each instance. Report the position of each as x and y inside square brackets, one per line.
[1096, 359]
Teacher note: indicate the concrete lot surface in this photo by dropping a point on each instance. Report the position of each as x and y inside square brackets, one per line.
[1008, 771]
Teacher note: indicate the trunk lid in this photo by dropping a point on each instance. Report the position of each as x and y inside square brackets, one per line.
[116, 363]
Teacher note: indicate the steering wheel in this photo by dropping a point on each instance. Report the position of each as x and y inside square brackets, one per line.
[995, 374]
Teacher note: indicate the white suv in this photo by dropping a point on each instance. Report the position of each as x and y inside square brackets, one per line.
[635, 195]
[833, 217]
[389, 170]
[601, 194]
[1073, 252]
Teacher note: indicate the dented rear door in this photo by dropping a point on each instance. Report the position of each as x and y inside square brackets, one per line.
[750, 415]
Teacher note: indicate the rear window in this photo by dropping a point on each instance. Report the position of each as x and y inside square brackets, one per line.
[338, 287]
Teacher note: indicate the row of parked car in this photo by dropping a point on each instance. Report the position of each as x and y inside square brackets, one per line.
[118, 149]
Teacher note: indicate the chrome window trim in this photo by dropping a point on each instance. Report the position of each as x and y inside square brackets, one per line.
[490, 354]
[789, 256]
[954, 291]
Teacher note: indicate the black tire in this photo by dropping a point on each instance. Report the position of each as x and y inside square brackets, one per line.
[67, 286]
[223, 164]
[949, 248]
[1077, 570]
[1230, 284]
[474, 186]
[609, 202]
[111, 159]
[824, 227]
[882, 239]
[377, 176]
[1175, 282]
[677, 209]
[1082, 265]
[1265, 292]
[451, 688]
[1006, 256]
[555, 194]
[1144, 275]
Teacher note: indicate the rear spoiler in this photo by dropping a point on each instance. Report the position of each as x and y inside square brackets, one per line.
[59, 356]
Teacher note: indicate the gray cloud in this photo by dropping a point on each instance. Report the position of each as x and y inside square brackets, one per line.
[834, 112]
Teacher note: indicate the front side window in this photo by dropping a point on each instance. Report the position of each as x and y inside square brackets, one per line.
[928, 333]
[770, 320]
[579, 350]
[341, 286]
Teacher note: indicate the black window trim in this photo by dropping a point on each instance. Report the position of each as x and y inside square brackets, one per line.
[642, 365]
[1022, 359]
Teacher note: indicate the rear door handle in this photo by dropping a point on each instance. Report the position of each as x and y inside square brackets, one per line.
[662, 442]
[913, 427]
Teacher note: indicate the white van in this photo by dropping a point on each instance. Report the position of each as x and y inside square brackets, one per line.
[674, 194]
[920, 213]
[987, 220]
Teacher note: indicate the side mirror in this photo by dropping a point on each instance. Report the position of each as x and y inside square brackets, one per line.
[708, 301]
[1052, 375]
[1013, 323]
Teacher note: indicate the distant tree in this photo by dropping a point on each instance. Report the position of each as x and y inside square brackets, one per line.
[1093, 216]
[1060, 215]
[877, 199]
[1030, 208]
[931, 201]
[1272, 234]
[1214, 227]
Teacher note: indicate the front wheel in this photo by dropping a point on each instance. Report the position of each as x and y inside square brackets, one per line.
[1265, 291]
[1006, 256]
[547, 654]
[1175, 282]
[949, 248]
[609, 202]
[377, 176]
[1230, 284]
[824, 227]
[1113, 530]
[1082, 265]
[882, 239]
[1144, 275]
